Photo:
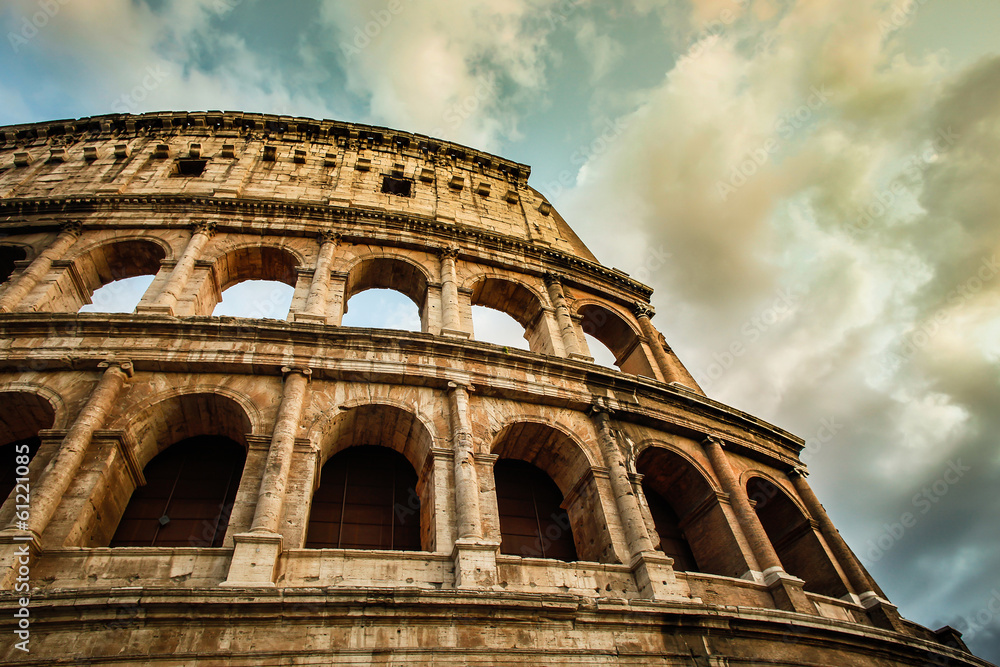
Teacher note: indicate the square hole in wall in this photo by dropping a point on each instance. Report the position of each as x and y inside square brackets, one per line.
[189, 167]
[397, 186]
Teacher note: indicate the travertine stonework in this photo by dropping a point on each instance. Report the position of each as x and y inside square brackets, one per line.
[203, 201]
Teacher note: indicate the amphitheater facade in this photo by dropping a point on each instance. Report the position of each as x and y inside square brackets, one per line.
[188, 489]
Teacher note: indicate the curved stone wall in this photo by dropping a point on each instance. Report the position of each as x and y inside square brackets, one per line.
[697, 539]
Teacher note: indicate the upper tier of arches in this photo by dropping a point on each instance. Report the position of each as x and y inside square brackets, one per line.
[190, 268]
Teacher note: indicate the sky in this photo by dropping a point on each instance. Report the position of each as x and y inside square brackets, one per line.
[810, 186]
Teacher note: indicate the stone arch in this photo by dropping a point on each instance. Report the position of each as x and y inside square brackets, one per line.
[247, 261]
[200, 419]
[521, 302]
[184, 413]
[128, 416]
[546, 445]
[24, 411]
[391, 426]
[618, 334]
[50, 396]
[106, 262]
[389, 271]
[791, 531]
[688, 516]
[566, 461]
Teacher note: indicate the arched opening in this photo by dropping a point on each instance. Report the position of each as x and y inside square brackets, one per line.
[382, 309]
[614, 333]
[8, 255]
[690, 524]
[563, 462]
[367, 499]
[519, 303]
[22, 416]
[258, 299]
[172, 436]
[254, 281]
[532, 520]
[800, 551]
[118, 296]
[113, 277]
[499, 328]
[385, 273]
[188, 497]
[600, 352]
[369, 495]
[672, 542]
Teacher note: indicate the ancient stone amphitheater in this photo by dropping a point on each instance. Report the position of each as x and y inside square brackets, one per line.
[237, 491]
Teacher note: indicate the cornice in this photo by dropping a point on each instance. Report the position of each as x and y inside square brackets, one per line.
[319, 214]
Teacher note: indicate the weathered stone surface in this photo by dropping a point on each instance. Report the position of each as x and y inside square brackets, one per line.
[307, 203]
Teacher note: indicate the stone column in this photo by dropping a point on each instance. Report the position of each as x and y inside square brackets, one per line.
[786, 589]
[319, 289]
[451, 315]
[881, 611]
[466, 478]
[39, 267]
[60, 471]
[644, 313]
[475, 558]
[670, 366]
[166, 300]
[255, 558]
[628, 506]
[653, 571]
[566, 329]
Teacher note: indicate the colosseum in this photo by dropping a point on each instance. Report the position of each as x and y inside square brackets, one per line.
[188, 489]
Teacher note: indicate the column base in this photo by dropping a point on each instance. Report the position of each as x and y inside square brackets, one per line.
[454, 333]
[475, 563]
[17, 548]
[655, 578]
[882, 613]
[154, 310]
[581, 357]
[255, 560]
[788, 591]
[309, 318]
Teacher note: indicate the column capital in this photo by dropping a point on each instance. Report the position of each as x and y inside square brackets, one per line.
[448, 252]
[554, 278]
[798, 471]
[330, 236]
[206, 227]
[124, 365]
[287, 370]
[456, 384]
[714, 440]
[643, 310]
[600, 406]
[73, 227]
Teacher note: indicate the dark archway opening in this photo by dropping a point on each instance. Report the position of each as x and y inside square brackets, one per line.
[188, 497]
[532, 520]
[367, 499]
[791, 533]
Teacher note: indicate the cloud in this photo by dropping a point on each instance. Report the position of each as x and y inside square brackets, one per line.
[122, 56]
[451, 69]
[831, 208]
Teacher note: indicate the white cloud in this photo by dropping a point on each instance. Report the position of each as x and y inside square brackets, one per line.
[452, 69]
